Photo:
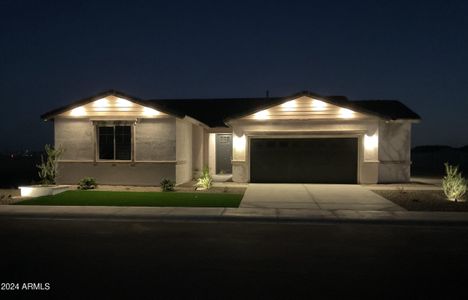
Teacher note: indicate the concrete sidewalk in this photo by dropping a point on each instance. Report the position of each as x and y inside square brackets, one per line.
[270, 215]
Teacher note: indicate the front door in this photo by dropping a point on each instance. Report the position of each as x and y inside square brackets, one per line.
[223, 153]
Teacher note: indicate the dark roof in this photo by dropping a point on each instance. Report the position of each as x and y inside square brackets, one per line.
[393, 109]
[215, 112]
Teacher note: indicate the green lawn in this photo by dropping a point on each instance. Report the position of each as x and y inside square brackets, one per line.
[101, 198]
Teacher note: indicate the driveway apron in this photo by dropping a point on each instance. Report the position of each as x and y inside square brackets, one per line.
[315, 196]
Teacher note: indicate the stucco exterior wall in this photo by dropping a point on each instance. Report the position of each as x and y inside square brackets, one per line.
[394, 151]
[212, 153]
[197, 150]
[206, 147]
[144, 174]
[154, 153]
[76, 137]
[183, 151]
[155, 140]
[368, 170]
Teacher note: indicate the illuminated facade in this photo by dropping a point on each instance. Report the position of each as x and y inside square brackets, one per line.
[119, 139]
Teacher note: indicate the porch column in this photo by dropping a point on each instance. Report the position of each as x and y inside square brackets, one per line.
[239, 157]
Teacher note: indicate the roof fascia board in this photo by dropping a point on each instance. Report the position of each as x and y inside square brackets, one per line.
[195, 122]
[282, 100]
[51, 114]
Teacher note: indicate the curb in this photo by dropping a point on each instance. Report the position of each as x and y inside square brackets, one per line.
[216, 215]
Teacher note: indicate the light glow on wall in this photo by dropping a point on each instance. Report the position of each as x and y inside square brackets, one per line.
[101, 103]
[346, 113]
[150, 112]
[371, 141]
[78, 111]
[289, 106]
[122, 103]
[239, 143]
[26, 191]
[318, 105]
[262, 115]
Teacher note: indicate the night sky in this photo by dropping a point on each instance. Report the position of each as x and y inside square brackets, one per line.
[55, 52]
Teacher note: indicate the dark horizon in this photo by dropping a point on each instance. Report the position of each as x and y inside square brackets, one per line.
[54, 53]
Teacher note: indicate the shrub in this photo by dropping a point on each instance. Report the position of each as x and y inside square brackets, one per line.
[167, 185]
[48, 169]
[205, 181]
[453, 183]
[401, 189]
[87, 183]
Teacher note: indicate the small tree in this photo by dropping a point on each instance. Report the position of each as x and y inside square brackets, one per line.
[48, 168]
[453, 183]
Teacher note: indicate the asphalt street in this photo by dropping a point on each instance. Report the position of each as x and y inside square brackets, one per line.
[167, 260]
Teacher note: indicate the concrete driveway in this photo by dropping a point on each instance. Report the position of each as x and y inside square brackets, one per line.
[315, 196]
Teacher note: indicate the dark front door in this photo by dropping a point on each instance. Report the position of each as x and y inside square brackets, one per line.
[317, 160]
[223, 153]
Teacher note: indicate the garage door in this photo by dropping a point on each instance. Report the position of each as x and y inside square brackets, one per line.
[317, 160]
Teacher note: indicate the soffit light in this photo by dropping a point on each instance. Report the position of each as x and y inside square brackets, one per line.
[262, 115]
[123, 103]
[101, 103]
[318, 105]
[346, 113]
[78, 111]
[290, 105]
[147, 111]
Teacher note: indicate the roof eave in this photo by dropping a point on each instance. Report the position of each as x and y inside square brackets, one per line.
[282, 100]
[53, 113]
[412, 120]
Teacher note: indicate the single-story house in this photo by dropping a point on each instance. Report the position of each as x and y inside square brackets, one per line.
[305, 137]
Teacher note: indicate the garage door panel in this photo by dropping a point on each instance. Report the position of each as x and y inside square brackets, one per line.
[319, 160]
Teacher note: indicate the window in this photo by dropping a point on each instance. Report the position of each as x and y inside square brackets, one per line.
[115, 142]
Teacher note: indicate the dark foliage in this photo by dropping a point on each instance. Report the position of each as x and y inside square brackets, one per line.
[167, 185]
[87, 183]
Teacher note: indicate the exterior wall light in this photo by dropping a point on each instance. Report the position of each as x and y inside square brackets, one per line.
[371, 147]
[239, 143]
[371, 141]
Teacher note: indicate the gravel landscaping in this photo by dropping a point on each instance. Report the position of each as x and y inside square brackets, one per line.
[8, 196]
[180, 188]
[107, 198]
[419, 200]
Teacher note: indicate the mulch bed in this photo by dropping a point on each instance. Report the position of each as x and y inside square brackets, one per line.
[423, 200]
